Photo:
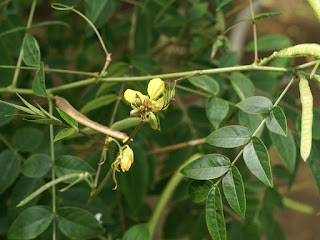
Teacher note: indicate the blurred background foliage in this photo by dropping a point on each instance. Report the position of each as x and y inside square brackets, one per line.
[154, 37]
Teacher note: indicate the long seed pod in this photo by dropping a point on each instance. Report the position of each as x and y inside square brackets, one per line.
[64, 105]
[300, 50]
[315, 5]
[306, 119]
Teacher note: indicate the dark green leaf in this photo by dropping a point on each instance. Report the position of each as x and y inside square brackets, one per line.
[73, 123]
[242, 85]
[198, 11]
[78, 223]
[125, 123]
[31, 51]
[234, 191]
[31, 107]
[314, 164]
[30, 223]
[206, 83]
[214, 215]
[199, 190]
[222, 4]
[37, 165]
[27, 139]
[39, 82]
[44, 121]
[250, 121]
[229, 137]
[141, 33]
[256, 104]
[277, 122]
[257, 160]
[137, 232]
[135, 182]
[270, 43]
[67, 164]
[48, 114]
[98, 102]
[270, 14]
[217, 110]
[5, 110]
[66, 132]
[207, 167]
[286, 148]
[9, 169]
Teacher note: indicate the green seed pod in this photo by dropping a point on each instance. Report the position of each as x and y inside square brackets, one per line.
[153, 121]
[315, 5]
[135, 112]
[306, 118]
[300, 50]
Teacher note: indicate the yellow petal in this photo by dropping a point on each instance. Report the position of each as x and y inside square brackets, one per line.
[127, 159]
[130, 95]
[157, 105]
[155, 88]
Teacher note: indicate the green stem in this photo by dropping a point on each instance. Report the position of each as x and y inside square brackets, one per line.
[254, 28]
[314, 69]
[16, 72]
[51, 70]
[166, 194]
[52, 174]
[99, 188]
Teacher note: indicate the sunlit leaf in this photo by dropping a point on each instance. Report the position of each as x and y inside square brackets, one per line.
[256, 104]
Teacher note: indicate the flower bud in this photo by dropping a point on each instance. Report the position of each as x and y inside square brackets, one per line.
[127, 159]
[153, 121]
[134, 112]
[138, 101]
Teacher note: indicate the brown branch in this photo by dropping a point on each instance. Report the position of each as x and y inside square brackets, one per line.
[177, 146]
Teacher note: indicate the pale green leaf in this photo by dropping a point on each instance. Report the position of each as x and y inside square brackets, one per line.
[217, 110]
[242, 85]
[73, 123]
[267, 15]
[126, 123]
[31, 51]
[64, 133]
[206, 83]
[256, 104]
[250, 121]
[277, 122]
[98, 102]
[270, 43]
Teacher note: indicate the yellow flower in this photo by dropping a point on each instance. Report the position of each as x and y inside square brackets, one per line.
[127, 159]
[155, 88]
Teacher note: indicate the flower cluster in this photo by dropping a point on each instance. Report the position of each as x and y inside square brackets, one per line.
[146, 106]
[125, 159]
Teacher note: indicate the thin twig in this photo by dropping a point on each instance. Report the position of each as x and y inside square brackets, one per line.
[254, 28]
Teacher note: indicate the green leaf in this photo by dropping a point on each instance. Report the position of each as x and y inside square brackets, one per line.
[206, 83]
[31, 51]
[277, 122]
[125, 123]
[9, 169]
[242, 85]
[134, 183]
[73, 123]
[39, 82]
[98, 102]
[199, 190]
[27, 139]
[37, 165]
[222, 4]
[257, 159]
[286, 148]
[315, 7]
[250, 121]
[5, 110]
[217, 110]
[21, 108]
[78, 223]
[137, 232]
[31, 107]
[214, 215]
[314, 164]
[68, 164]
[99, 12]
[229, 137]
[270, 14]
[44, 121]
[30, 223]
[198, 11]
[270, 43]
[233, 189]
[66, 132]
[207, 167]
[256, 104]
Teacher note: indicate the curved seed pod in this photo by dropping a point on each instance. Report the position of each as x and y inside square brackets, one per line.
[300, 50]
[315, 5]
[306, 119]
[65, 106]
